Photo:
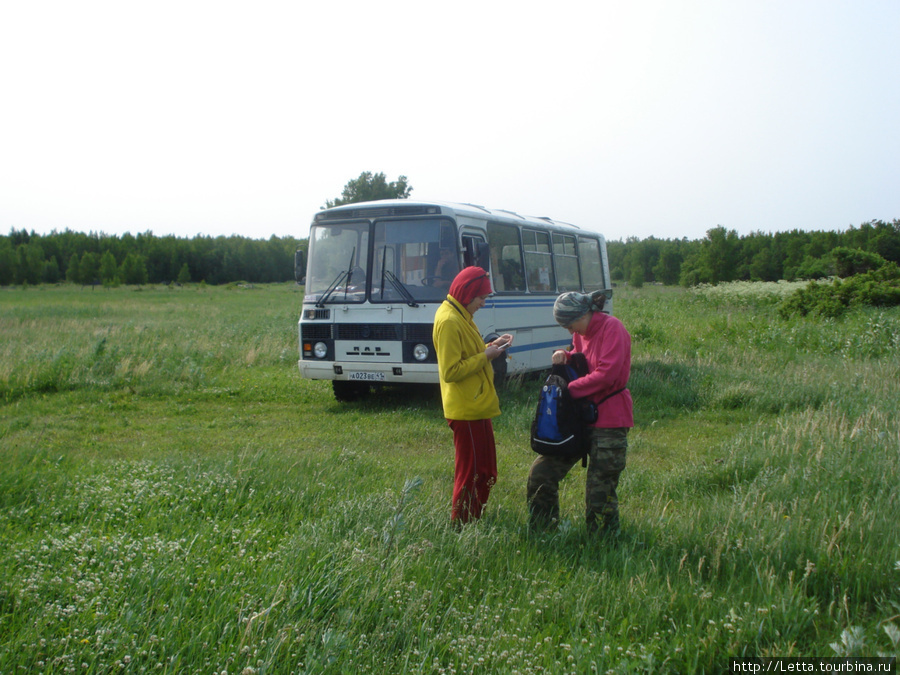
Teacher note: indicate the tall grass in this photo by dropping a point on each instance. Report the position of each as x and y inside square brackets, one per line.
[175, 498]
[158, 341]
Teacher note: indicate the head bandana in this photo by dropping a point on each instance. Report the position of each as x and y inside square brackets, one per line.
[571, 306]
[469, 284]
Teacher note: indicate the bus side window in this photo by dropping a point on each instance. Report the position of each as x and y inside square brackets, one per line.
[506, 258]
[566, 258]
[538, 265]
[591, 264]
[497, 279]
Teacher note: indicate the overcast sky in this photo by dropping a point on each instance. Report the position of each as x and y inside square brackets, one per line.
[636, 118]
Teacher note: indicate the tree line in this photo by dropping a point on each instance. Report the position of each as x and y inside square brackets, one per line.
[76, 257]
[97, 258]
[724, 256]
[720, 256]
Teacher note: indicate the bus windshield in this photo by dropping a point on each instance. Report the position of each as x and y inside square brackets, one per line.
[412, 261]
[338, 256]
[415, 260]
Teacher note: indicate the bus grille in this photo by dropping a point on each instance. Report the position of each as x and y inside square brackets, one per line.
[413, 332]
[317, 331]
[366, 331]
[418, 332]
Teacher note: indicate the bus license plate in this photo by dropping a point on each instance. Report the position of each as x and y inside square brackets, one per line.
[366, 377]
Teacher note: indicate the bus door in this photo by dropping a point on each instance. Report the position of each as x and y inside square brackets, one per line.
[477, 252]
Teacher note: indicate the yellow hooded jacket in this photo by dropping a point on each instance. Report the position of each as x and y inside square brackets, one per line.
[467, 378]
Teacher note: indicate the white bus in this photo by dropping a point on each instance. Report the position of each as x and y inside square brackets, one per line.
[377, 272]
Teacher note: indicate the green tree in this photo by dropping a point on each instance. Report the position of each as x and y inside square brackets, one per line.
[184, 275]
[109, 270]
[720, 254]
[691, 273]
[134, 269]
[794, 252]
[616, 251]
[848, 261]
[21, 266]
[886, 242]
[716, 261]
[7, 262]
[636, 278]
[29, 263]
[89, 269]
[51, 270]
[668, 267]
[371, 187]
[73, 271]
[764, 266]
[641, 258]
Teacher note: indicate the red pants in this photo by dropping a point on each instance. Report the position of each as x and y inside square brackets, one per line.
[476, 467]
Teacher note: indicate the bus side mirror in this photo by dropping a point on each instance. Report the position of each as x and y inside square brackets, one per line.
[300, 266]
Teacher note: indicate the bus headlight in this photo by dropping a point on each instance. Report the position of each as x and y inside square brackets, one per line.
[420, 352]
[320, 350]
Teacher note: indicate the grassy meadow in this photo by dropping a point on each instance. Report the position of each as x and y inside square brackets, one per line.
[175, 498]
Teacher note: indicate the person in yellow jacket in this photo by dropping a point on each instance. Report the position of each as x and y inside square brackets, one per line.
[467, 390]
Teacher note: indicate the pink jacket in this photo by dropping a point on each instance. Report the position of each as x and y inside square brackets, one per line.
[607, 346]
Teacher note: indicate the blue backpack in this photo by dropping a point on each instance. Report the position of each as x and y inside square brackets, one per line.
[560, 425]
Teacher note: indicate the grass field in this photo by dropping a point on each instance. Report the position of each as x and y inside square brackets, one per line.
[175, 498]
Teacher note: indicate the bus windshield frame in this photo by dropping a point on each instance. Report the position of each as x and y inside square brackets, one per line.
[388, 260]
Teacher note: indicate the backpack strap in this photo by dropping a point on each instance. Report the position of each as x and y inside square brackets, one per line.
[617, 391]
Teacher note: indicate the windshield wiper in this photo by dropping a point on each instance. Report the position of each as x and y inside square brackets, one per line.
[332, 287]
[349, 273]
[395, 282]
[401, 289]
[383, 269]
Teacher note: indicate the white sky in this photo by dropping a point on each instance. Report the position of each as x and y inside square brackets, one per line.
[629, 117]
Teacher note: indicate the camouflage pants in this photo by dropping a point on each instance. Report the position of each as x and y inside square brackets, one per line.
[606, 462]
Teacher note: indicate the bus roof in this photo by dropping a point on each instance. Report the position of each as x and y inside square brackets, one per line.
[409, 207]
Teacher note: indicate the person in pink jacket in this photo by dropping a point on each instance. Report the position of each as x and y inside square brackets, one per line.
[606, 344]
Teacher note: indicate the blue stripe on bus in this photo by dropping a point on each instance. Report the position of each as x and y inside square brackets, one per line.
[525, 328]
[520, 301]
[539, 345]
[520, 305]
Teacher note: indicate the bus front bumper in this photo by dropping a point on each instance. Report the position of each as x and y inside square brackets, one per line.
[403, 373]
